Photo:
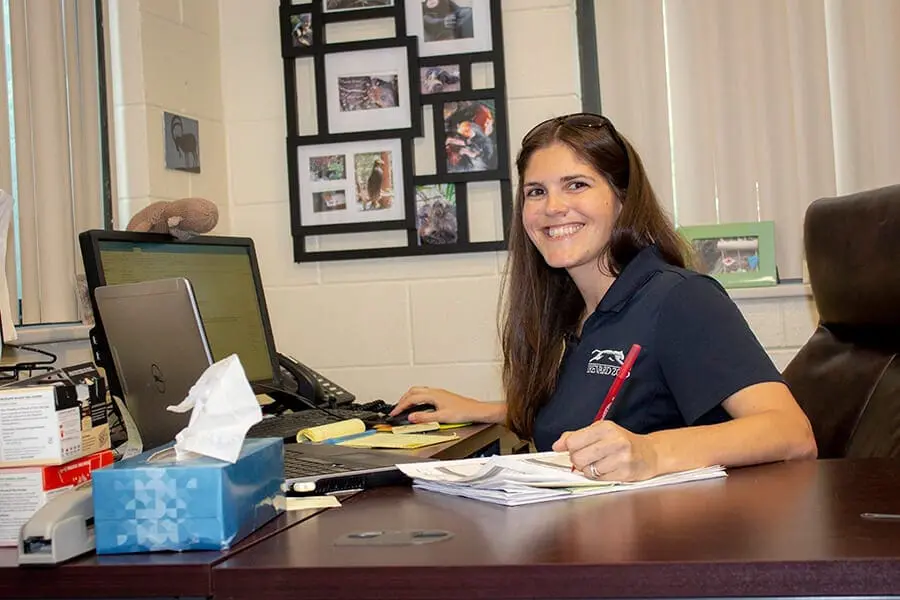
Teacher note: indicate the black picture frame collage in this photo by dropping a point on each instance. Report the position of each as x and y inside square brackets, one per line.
[357, 173]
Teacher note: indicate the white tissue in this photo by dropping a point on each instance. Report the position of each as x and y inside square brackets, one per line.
[223, 408]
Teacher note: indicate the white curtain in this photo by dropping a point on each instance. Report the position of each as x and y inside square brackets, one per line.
[748, 110]
[52, 165]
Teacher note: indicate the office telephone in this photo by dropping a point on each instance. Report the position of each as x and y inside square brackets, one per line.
[299, 379]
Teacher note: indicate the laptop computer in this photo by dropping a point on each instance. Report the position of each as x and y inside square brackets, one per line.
[159, 348]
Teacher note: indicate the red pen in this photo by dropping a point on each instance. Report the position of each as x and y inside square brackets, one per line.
[621, 376]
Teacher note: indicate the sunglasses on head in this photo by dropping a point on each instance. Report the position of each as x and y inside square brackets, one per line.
[583, 119]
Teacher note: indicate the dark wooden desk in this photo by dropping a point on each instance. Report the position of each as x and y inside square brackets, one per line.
[471, 440]
[789, 529]
[168, 574]
[147, 575]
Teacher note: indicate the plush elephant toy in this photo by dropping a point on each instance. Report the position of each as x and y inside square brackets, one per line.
[182, 218]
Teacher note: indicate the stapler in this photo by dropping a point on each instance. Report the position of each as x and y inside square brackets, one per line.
[61, 529]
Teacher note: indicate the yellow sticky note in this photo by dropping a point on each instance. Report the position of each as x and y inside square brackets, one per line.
[320, 433]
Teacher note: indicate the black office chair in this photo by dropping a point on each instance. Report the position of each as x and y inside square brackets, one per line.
[847, 377]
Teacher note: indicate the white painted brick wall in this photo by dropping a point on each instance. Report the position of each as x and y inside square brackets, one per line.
[165, 58]
[782, 322]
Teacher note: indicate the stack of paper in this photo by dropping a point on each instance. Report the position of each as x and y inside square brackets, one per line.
[527, 478]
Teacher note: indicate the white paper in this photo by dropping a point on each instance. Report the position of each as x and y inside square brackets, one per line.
[311, 502]
[518, 479]
[6, 312]
[223, 407]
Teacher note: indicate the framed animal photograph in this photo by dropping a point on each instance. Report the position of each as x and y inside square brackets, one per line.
[301, 30]
[450, 26]
[437, 221]
[441, 79]
[353, 182]
[369, 89]
[736, 254]
[470, 136]
[182, 143]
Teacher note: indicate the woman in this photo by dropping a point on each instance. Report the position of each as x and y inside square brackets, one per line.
[594, 267]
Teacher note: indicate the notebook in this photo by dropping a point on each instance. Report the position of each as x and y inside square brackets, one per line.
[159, 347]
[514, 480]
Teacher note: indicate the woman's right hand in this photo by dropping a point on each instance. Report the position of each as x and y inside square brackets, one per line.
[448, 407]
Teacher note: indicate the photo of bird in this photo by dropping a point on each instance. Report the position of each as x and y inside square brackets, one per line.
[374, 180]
[373, 187]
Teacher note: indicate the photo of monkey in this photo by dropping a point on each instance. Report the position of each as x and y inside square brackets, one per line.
[444, 20]
[436, 222]
[471, 142]
[340, 5]
[328, 201]
[328, 168]
[438, 80]
[374, 180]
[447, 27]
[368, 92]
[301, 30]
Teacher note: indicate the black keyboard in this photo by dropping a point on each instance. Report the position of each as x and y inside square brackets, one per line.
[298, 466]
[287, 425]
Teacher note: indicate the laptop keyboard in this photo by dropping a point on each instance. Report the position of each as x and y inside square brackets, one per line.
[287, 425]
[296, 466]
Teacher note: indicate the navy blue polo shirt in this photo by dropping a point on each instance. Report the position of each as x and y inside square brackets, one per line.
[696, 351]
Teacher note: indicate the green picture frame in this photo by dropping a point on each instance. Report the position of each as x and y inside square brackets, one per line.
[738, 255]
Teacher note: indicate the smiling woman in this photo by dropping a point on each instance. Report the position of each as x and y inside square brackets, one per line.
[568, 210]
[595, 268]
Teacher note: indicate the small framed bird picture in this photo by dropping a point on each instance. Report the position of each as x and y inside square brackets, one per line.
[351, 183]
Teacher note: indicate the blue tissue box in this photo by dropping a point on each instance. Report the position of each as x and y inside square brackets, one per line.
[151, 502]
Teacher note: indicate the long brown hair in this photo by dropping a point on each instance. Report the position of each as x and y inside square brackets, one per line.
[541, 304]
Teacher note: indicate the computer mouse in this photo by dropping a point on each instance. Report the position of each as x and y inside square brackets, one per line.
[402, 417]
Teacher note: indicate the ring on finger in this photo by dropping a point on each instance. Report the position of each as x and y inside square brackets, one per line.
[593, 471]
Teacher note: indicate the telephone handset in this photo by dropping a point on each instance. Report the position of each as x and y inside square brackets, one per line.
[303, 381]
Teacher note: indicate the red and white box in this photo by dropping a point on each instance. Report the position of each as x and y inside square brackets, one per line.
[23, 490]
[53, 418]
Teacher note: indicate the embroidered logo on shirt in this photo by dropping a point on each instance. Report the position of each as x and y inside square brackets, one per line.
[606, 362]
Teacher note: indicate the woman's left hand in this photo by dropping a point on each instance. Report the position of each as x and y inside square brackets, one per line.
[607, 452]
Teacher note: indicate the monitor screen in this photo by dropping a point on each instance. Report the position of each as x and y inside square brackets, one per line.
[225, 277]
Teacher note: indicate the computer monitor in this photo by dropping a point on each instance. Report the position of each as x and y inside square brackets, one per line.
[224, 274]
